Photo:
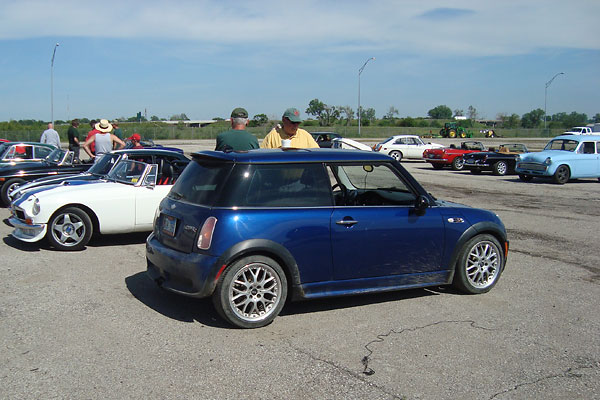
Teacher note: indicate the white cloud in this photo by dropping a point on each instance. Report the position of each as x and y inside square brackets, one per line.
[462, 27]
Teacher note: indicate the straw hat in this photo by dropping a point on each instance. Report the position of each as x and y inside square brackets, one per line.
[103, 126]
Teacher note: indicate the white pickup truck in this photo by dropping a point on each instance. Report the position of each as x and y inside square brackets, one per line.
[579, 130]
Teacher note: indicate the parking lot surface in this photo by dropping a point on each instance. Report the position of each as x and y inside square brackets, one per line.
[90, 324]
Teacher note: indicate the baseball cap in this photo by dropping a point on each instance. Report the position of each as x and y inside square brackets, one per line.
[239, 113]
[292, 114]
[135, 137]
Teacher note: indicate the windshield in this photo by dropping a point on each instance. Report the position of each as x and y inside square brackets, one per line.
[127, 171]
[562, 144]
[104, 165]
[55, 156]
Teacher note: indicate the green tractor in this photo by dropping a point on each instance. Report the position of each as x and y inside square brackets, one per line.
[451, 130]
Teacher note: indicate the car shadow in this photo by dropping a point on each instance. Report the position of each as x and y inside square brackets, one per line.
[23, 246]
[187, 309]
[118, 239]
[171, 305]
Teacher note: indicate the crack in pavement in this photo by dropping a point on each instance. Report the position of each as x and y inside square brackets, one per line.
[381, 337]
[347, 371]
[595, 271]
[568, 373]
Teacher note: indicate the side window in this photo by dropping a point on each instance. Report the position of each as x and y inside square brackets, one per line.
[42, 152]
[369, 185]
[150, 178]
[292, 185]
[587, 148]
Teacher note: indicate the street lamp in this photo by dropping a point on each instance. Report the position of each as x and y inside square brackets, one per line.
[360, 72]
[52, 85]
[546, 95]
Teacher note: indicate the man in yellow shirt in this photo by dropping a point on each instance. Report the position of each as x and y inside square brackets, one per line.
[289, 129]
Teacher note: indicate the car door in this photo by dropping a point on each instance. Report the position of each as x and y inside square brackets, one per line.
[375, 231]
[148, 196]
[585, 162]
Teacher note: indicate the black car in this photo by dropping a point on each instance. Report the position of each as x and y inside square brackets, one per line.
[171, 161]
[500, 162]
[58, 162]
[324, 139]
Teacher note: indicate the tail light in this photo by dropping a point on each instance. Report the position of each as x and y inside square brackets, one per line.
[206, 233]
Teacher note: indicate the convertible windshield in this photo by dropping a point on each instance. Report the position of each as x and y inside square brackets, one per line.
[127, 171]
[104, 165]
[562, 144]
[55, 156]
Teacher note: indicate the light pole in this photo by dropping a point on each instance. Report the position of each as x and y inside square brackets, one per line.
[52, 85]
[546, 95]
[360, 72]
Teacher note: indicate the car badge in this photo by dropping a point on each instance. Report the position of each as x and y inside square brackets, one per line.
[456, 220]
[190, 228]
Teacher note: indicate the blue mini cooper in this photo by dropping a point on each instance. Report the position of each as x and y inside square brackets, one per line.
[252, 229]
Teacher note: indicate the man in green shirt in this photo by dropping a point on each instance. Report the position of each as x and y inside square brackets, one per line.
[237, 138]
[73, 135]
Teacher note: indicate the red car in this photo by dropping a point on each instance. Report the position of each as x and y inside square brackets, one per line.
[451, 156]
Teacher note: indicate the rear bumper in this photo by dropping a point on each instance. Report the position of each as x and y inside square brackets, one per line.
[190, 274]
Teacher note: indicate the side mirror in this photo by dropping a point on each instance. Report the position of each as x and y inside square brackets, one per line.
[421, 204]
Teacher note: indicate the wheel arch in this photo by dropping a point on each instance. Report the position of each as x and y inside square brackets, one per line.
[84, 208]
[267, 248]
[481, 228]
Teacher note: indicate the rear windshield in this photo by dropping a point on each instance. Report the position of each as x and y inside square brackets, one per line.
[254, 185]
[200, 183]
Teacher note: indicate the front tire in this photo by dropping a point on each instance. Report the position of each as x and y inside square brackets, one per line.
[251, 292]
[396, 155]
[452, 134]
[562, 175]
[70, 229]
[479, 265]
[500, 168]
[8, 187]
[458, 163]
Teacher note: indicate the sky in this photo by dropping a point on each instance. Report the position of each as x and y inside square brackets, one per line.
[204, 58]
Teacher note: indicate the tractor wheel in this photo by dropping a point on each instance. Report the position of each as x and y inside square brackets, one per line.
[452, 133]
[463, 134]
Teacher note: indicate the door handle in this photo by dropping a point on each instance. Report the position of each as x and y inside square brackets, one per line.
[347, 222]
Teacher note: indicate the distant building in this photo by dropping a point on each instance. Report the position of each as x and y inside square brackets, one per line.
[192, 123]
[460, 117]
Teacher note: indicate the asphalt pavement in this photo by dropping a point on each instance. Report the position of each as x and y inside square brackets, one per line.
[91, 325]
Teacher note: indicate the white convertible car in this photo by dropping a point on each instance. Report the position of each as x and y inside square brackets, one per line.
[68, 214]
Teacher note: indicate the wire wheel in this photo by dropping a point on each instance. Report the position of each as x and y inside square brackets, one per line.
[479, 265]
[254, 293]
[482, 264]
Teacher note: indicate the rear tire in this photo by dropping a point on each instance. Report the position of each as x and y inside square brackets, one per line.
[479, 265]
[500, 168]
[458, 164]
[69, 229]
[396, 155]
[251, 292]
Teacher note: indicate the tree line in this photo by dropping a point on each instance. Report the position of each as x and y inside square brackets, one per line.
[326, 115]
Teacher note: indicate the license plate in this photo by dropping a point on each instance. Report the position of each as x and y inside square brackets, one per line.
[432, 156]
[169, 224]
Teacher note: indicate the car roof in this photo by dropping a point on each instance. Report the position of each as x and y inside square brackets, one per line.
[148, 150]
[578, 138]
[413, 136]
[32, 143]
[277, 156]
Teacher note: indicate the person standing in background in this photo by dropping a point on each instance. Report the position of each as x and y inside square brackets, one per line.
[91, 134]
[50, 136]
[237, 138]
[73, 135]
[289, 131]
[103, 140]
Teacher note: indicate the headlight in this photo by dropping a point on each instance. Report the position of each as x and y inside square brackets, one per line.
[518, 159]
[36, 207]
[548, 161]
